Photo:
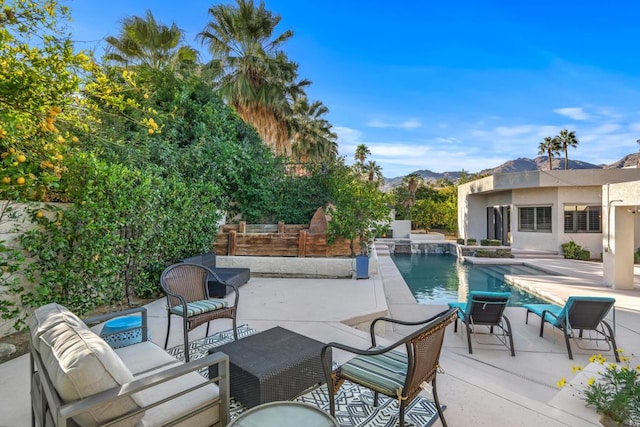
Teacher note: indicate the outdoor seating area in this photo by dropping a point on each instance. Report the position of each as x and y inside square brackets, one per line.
[477, 383]
[78, 379]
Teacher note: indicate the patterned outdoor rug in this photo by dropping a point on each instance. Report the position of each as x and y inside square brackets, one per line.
[354, 404]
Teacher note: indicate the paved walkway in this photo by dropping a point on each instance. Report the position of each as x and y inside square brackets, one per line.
[486, 388]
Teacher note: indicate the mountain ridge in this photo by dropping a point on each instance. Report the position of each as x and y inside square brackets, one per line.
[521, 164]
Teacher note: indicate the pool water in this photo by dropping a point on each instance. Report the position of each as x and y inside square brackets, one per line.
[439, 279]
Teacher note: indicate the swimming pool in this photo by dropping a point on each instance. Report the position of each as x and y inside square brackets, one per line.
[439, 279]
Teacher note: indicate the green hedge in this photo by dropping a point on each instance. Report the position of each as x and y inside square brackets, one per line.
[572, 250]
[498, 253]
[490, 242]
[125, 227]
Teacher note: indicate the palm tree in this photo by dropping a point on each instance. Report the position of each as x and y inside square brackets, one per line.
[412, 181]
[362, 151]
[311, 135]
[374, 171]
[549, 146]
[144, 41]
[565, 140]
[251, 71]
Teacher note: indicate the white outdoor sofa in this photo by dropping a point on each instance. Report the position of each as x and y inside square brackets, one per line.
[77, 379]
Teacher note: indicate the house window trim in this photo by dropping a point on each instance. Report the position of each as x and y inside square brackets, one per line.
[535, 229]
[589, 207]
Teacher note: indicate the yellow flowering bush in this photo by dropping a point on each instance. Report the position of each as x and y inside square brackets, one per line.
[615, 392]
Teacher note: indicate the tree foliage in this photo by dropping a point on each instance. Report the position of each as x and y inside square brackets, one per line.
[549, 146]
[358, 209]
[148, 156]
[143, 40]
[117, 237]
[251, 71]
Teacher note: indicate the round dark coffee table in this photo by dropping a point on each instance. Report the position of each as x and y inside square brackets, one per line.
[284, 414]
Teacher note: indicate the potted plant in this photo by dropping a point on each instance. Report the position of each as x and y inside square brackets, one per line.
[614, 392]
[359, 212]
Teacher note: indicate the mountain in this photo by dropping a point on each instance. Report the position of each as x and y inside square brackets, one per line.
[625, 162]
[521, 164]
[539, 163]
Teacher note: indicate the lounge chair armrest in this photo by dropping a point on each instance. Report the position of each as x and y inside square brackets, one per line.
[73, 409]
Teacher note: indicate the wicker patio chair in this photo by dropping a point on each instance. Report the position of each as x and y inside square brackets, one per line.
[486, 309]
[579, 313]
[391, 372]
[185, 285]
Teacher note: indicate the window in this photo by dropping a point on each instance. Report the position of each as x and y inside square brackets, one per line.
[535, 219]
[582, 219]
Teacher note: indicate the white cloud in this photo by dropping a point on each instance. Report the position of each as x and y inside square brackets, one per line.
[575, 113]
[475, 145]
[347, 135]
[609, 113]
[377, 124]
[448, 140]
[410, 124]
[512, 130]
[398, 149]
[407, 124]
[478, 133]
[606, 128]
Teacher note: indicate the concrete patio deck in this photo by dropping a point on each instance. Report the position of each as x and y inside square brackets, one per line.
[486, 388]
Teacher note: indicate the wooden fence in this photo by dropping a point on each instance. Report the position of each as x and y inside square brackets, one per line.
[287, 240]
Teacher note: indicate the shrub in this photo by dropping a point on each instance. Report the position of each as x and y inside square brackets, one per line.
[460, 241]
[471, 242]
[614, 392]
[572, 250]
[114, 242]
[498, 253]
[490, 242]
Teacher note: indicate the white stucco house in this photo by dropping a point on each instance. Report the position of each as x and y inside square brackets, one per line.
[541, 210]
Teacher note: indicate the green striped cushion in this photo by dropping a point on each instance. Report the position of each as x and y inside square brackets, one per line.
[384, 373]
[199, 307]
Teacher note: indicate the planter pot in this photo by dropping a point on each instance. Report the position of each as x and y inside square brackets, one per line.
[607, 421]
[362, 267]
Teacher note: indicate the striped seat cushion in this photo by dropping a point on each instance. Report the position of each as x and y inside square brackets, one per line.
[384, 373]
[199, 307]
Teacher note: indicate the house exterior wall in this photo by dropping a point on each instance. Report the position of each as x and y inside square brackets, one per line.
[621, 237]
[591, 196]
[540, 188]
[530, 197]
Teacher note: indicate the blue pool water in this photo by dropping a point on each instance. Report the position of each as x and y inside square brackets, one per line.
[435, 279]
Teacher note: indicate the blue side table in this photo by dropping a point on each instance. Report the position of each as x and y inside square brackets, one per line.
[123, 331]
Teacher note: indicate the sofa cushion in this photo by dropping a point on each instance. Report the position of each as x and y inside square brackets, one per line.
[80, 364]
[145, 359]
[50, 315]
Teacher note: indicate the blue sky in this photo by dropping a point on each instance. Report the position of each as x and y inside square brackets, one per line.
[441, 85]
